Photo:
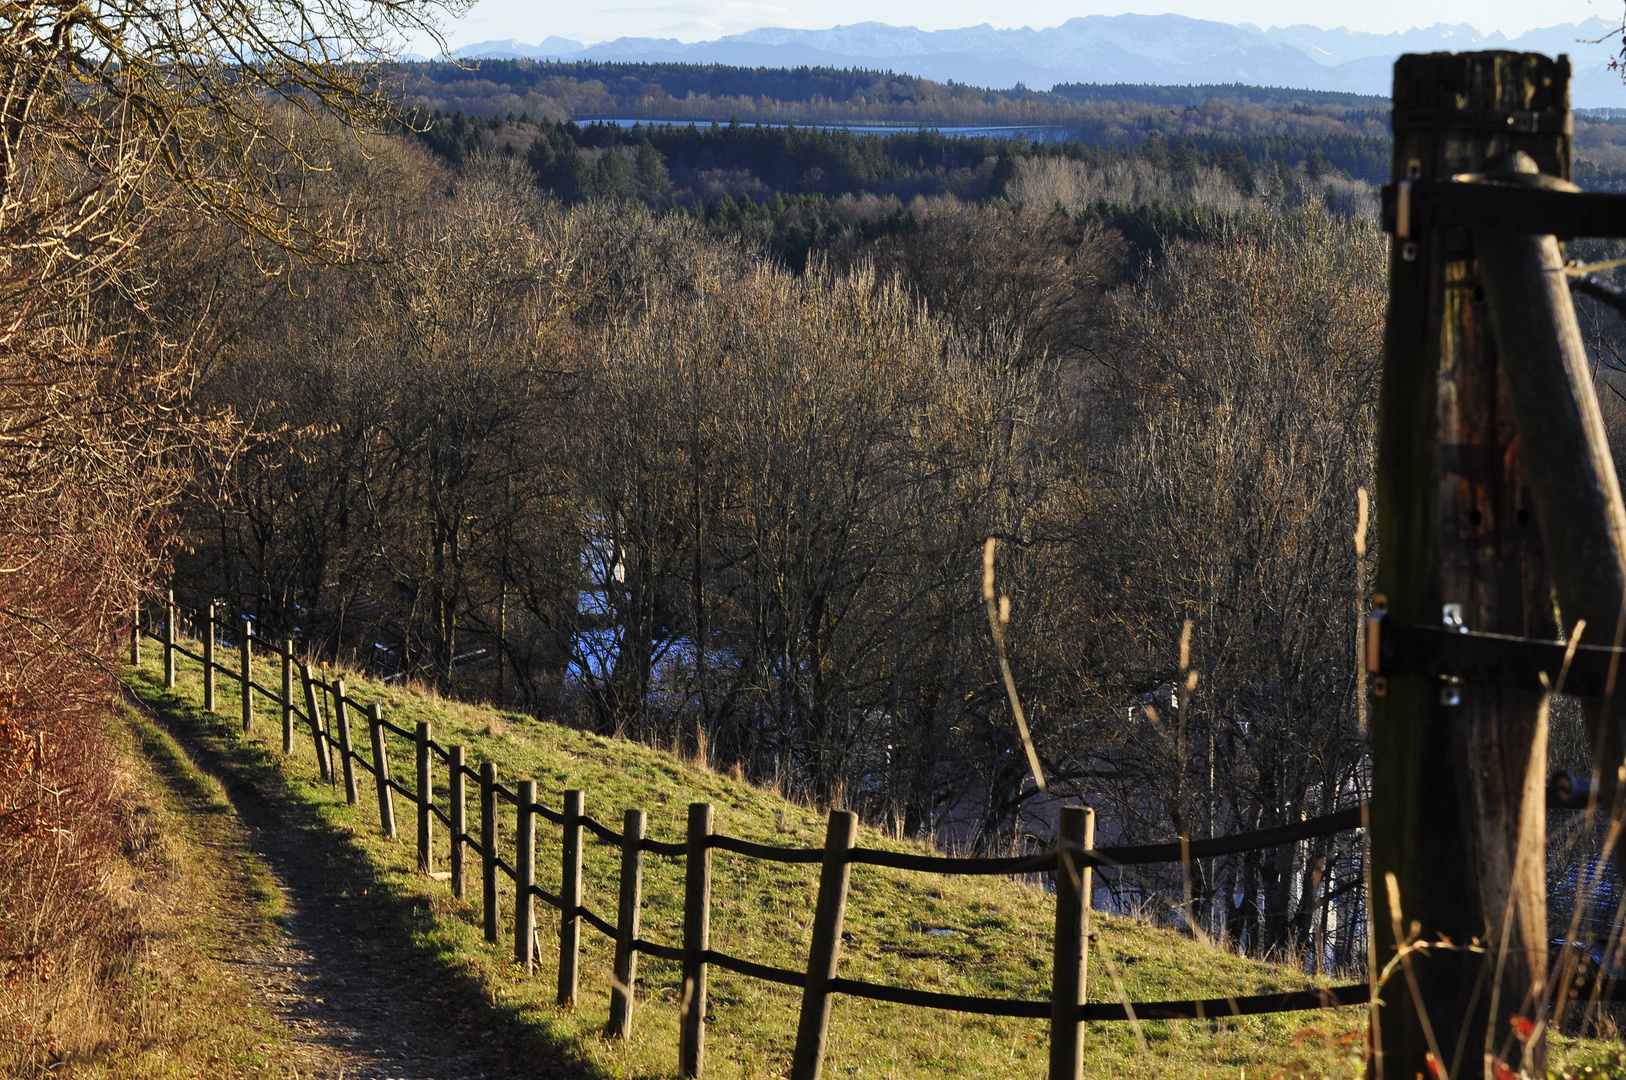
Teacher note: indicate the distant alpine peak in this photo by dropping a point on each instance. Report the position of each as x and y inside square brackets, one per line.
[1157, 49]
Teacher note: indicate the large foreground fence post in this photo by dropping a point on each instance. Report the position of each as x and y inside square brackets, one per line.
[426, 801]
[318, 737]
[288, 696]
[570, 897]
[829, 912]
[381, 769]
[1071, 947]
[209, 658]
[1457, 826]
[488, 850]
[629, 913]
[169, 640]
[245, 657]
[525, 875]
[341, 721]
[696, 941]
[460, 822]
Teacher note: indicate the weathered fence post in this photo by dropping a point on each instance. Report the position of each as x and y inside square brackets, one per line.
[570, 897]
[246, 658]
[628, 915]
[169, 640]
[209, 658]
[341, 721]
[135, 637]
[488, 850]
[525, 875]
[1074, 876]
[318, 736]
[287, 695]
[828, 913]
[1457, 826]
[696, 941]
[426, 802]
[381, 769]
[459, 814]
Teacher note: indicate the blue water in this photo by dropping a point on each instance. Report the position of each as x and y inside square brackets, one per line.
[1044, 133]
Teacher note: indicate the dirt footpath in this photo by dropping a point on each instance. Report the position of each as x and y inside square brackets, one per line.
[358, 1000]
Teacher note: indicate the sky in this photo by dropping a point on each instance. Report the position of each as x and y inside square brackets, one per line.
[698, 20]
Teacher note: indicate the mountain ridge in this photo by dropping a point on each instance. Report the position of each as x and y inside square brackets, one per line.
[1152, 49]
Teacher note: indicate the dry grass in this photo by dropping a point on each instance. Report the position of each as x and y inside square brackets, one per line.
[143, 988]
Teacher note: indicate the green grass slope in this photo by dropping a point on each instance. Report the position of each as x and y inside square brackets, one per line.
[761, 911]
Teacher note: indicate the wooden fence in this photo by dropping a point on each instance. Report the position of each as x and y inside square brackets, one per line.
[1071, 863]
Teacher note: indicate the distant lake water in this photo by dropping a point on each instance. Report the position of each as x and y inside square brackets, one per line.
[1045, 133]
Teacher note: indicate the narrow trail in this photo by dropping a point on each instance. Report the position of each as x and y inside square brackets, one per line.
[359, 999]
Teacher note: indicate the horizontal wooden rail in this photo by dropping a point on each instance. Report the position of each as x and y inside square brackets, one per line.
[659, 951]
[275, 696]
[507, 795]
[766, 851]
[506, 867]
[603, 926]
[929, 999]
[783, 976]
[1214, 1008]
[1226, 845]
[603, 832]
[444, 818]
[184, 651]
[550, 899]
[658, 847]
[937, 864]
[402, 732]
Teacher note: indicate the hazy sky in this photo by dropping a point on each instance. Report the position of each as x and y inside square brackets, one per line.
[695, 20]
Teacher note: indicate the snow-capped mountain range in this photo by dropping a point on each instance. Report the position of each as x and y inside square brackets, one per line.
[1165, 49]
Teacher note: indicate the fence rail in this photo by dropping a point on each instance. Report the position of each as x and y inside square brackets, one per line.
[1071, 861]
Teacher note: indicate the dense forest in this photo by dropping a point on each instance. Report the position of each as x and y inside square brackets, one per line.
[621, 466]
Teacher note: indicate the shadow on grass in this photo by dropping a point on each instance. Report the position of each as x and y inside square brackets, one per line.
[381, 983]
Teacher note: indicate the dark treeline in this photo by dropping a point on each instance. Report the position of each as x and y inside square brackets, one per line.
[1202, 93]
[792, 178]
[1346, 132]
[712, 92]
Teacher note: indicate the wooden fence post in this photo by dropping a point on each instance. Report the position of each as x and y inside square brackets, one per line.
[696, 941]
[288, 695]
[135, 637]
[169, 640]
[1452, 784]
[341, 721]
[426, 802]
[381, 769]
[459, 814]
[825, 953]
[318, 736]
[628, 915]
[570, 897]
[209, 658]
[246, 658]
[525, 875]
[1071, 949]
[488, 849]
